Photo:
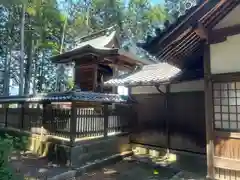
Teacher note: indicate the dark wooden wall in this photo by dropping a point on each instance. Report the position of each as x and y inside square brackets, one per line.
[186, 121]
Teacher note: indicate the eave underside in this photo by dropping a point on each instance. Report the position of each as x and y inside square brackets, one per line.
[188, 37]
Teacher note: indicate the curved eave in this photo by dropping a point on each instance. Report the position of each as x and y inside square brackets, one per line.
[182, 23]
[78, 52]
[185, 39]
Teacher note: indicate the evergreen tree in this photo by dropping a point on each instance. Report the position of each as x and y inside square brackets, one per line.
[177, 8]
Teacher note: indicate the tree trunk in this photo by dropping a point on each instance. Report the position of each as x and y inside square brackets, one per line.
[34, 88]
[28, 73]
[61, 70]
[21, 84]
[7, 73]
[41, 74]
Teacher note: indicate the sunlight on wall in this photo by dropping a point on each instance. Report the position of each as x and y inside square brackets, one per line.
[122, 90]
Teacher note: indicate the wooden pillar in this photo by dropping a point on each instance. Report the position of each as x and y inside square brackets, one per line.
[22, 112]
[6, 107]
[95, 76]
[73, 73]
[73, 123]
[167, 116]
[115, 74]
[45, 114]
[105, 114]
[208, 112]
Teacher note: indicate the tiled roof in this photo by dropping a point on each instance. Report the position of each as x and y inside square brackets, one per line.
[101, 42]
[67, 96]
[149, 75]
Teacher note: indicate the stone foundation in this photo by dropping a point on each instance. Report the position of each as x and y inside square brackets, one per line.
[91, 150]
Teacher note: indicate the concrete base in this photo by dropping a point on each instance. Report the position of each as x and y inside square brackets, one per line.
[91, 150]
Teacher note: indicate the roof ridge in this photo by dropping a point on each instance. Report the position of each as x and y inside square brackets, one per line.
[106, 31]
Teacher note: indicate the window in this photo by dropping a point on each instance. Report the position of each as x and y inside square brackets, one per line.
[226, 100]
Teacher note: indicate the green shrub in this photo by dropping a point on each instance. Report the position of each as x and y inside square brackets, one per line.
[6, 147]
[19, 139]
[5, 150]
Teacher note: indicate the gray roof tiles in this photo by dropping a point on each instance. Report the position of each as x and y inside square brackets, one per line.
[67, 96]
[149, 75]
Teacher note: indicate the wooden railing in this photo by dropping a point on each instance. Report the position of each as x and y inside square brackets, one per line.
[56, 121]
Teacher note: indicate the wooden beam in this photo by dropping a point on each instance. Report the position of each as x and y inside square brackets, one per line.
[220, 35]
[226, 77]
[201, 31]
[225, 6]
[208, 112]
[226, 163]
[216, 39]
[219, 7]
[190, 19]
[86, 66]
[185, 37]
[234, 135]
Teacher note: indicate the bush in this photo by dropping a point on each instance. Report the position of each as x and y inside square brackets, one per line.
[18, 140]
[5, 150]
[6, 147]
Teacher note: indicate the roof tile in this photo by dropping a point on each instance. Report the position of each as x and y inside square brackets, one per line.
[67, 96]
[148, 75]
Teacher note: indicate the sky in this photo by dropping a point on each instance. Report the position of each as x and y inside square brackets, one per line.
[157, 1]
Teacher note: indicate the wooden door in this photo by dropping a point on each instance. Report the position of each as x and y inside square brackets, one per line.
[226, 123]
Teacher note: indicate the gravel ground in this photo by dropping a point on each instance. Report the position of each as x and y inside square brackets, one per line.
[185, 168]
[30, 166]
[129, 170]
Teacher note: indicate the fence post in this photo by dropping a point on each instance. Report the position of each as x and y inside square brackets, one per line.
[6, 107]
[73, 122]
[105, 114]
[22, 109]
[44, 115]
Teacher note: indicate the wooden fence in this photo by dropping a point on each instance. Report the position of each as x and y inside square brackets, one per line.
[56, 121]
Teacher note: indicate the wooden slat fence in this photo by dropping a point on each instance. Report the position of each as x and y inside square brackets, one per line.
[89, 123]
[32, 119]
[56, 121]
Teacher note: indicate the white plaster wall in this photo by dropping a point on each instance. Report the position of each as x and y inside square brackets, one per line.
[231, 19]
[225, 56]
[146, 90]
[187, 86]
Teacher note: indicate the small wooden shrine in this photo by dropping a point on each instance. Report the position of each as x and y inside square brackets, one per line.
[97, 58]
